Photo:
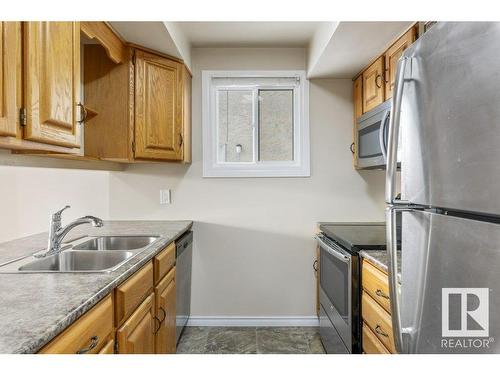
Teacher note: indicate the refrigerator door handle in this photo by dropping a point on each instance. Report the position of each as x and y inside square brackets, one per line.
[392, 246]
[381, 135]
[392, 143]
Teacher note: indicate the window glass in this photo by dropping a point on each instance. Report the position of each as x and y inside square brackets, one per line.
[275, 125]
[235, 126]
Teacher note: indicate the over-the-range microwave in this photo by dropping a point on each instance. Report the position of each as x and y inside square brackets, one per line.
[372, 133]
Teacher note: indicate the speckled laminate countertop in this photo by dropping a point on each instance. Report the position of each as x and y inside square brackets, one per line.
[34, 308]
[380, 259]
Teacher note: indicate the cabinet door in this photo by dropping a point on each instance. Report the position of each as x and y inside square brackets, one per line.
[165, 313]
[158, 107]
[186, 118]
[10, 80]
[358, 111]
[136, 335]
[391, 59]
[52, 82]
[373, 85]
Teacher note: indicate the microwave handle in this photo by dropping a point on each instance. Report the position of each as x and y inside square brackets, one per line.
[381, 135]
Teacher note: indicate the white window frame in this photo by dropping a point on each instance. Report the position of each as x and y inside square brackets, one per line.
[299, 167]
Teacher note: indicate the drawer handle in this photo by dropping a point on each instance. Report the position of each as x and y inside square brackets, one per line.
[164, 315]
[379, 293]
[315, 266]
[94, 340]
[379, 331]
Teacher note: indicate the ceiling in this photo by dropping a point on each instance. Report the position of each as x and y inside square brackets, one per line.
[334, 49]
[248, 34]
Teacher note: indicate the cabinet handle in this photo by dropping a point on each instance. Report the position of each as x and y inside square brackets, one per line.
[181, 140]
[164, 315]
[376, 81]
[379, 331]
[352, 147]
[315, 265]
[94, 340]
[379, 293]
[159, 325]
[83, 113]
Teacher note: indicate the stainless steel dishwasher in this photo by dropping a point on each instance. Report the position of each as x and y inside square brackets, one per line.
[184, 255]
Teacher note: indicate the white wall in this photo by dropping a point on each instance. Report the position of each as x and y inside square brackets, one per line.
[30, 194]
[254, 243]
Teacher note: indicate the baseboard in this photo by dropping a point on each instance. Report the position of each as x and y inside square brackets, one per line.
[253, 321]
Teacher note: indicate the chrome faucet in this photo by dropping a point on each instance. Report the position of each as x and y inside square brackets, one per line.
[57, 232]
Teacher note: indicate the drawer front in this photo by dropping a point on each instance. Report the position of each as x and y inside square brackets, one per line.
[88, 334]
[132, 292]
[109, 348]
[378, 320]
[371, 344]
[376, 284]
[163, 262]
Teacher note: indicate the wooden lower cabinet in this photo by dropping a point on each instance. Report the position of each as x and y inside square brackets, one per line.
[376, 284]
[142, 310]
[130, 294]
[165, 313]
[371, 344]
[108, 348]
[376, 312]
[163, 262]
[88, 335]
[137, 334]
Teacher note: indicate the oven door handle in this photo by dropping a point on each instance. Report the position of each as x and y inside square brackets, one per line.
[337, 254]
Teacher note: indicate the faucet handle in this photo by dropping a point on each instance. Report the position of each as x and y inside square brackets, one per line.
[57, 215]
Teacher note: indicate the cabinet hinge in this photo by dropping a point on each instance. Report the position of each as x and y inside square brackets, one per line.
[23, 116]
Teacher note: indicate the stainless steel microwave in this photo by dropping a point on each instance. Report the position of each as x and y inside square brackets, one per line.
[372, 133]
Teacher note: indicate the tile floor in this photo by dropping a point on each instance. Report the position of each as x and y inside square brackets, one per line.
[250, 340]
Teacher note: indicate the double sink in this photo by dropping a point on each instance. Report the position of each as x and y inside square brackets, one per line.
[97, 254]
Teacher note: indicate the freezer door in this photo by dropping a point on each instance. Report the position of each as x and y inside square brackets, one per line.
[450, 287]
[450, 118]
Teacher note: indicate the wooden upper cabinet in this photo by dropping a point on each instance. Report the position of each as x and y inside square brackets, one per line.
[158, 107]
[52, 82]
[186, 117]
[358, 97]
[137, 334]
[373, 85]
[10, 78]
[392, 56]
[358, 111]
[106, 37]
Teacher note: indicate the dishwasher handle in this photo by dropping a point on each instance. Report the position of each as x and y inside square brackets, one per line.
[184, 243]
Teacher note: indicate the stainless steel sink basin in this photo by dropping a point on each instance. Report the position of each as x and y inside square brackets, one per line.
[78, 261]
[116, 243]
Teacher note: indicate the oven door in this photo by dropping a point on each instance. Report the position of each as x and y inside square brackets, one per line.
[336, 288]
[372, 140]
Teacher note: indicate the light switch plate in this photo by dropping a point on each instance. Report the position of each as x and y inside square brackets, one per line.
[165, 196]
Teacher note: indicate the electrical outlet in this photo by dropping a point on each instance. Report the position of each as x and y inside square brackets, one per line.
[165, 196]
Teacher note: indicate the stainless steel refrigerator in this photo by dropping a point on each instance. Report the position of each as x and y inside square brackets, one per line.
[447, 105]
